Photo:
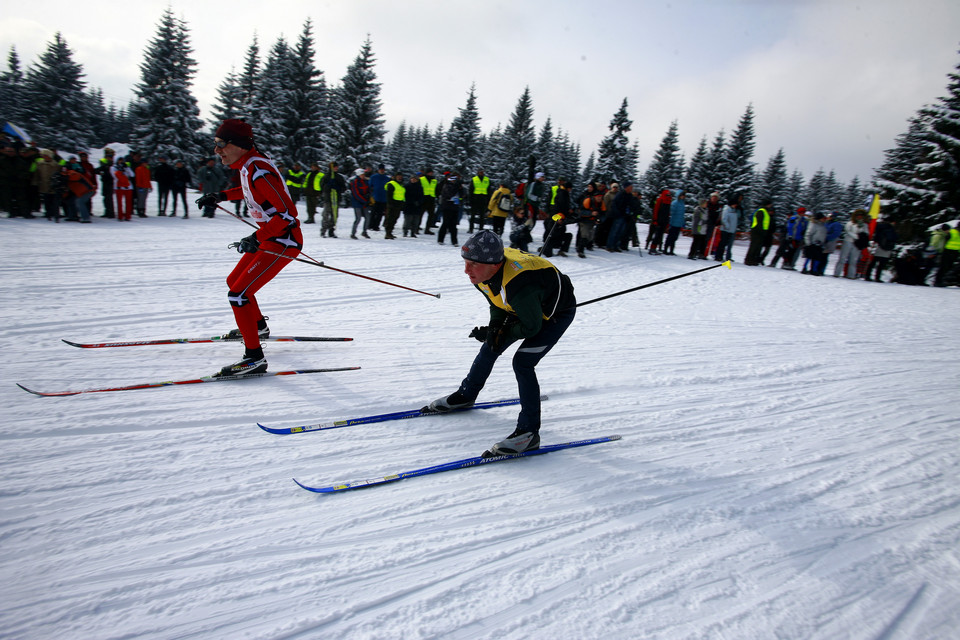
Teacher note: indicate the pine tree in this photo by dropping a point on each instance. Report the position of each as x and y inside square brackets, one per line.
[493, 160]
[519, 139]
[612, 156]
[715, 169]
[773, 186]
[11, 86]
[568, 161]
[228, 104]
[307, 130]
[548, 160]
[358, 133]
[817, 195]
[247, 82]
[854, 196]
[738, 158]
[794, 195]
[696, 180]
[273, 103]
[431, 147]
[54, 104]
[919, 177]
[666, 168]
[464, 153]
[589, 170]
[99, 119]
[166, 115]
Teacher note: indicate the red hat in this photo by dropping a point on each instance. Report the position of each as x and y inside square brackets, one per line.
[802, 210]
[237, 132]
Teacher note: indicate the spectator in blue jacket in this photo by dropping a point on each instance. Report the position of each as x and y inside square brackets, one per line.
[834, 231]
[378, 189]
[678, 220]
[792, 240]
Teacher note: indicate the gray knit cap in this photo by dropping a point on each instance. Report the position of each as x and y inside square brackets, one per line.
[484, 246]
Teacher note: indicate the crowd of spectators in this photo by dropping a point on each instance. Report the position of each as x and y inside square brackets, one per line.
[602, 216]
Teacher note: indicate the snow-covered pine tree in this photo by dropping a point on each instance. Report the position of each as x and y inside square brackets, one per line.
[739, 159]
[307, 136]
[614, 149]
[589, 173]
[696, 179]
[431, 148]
[817, 194]
[715, 169]
[773, 185]
[493, 160]
[54, 106]
[273, 103]
[99, 119]
[794, 196]
[568, 161]
[11, 85]
[666, 168]
[919, 177]
[228, 104]
[399, 151]
[547, 154]
[247, 82]
[519, 139]
[166, 116]
[464, 153]
[357, 130]
[854, 196]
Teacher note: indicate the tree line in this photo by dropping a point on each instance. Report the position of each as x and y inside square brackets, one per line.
[300, 117]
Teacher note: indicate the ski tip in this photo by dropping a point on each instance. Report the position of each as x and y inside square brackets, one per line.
[728, 264]
[47, 395]
[72, 344]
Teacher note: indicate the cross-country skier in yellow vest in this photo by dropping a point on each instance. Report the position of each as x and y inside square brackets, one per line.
[530, 300]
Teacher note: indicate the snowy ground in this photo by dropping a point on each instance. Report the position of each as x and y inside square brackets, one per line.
[788, 467]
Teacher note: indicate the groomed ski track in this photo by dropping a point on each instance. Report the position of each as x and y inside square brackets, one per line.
[789, 462]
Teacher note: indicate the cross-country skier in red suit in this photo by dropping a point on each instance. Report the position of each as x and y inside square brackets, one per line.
[271, 206]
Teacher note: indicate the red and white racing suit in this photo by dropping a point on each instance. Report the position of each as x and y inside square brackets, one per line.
[273, 210]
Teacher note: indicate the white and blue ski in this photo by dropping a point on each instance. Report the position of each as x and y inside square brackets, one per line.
[450, 466]
[385, 417]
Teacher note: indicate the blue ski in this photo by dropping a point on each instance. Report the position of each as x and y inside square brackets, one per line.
[450, 466]
[384, 417]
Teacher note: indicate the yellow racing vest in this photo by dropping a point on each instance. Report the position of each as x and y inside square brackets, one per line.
[516, 262]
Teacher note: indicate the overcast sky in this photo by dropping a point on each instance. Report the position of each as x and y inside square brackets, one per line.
[832, 82]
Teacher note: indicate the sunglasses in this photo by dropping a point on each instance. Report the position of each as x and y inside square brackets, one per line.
[220, 144]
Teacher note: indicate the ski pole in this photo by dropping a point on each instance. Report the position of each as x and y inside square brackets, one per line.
[309, 260]
[726, 264]
[317, 263]
[546, 241]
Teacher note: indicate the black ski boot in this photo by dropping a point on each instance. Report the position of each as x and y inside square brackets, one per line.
[253, 362]
[263, 331]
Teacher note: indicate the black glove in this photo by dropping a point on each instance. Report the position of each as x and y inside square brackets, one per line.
[210, 199]
[480, 333]
[497, 335]
[250, 244]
